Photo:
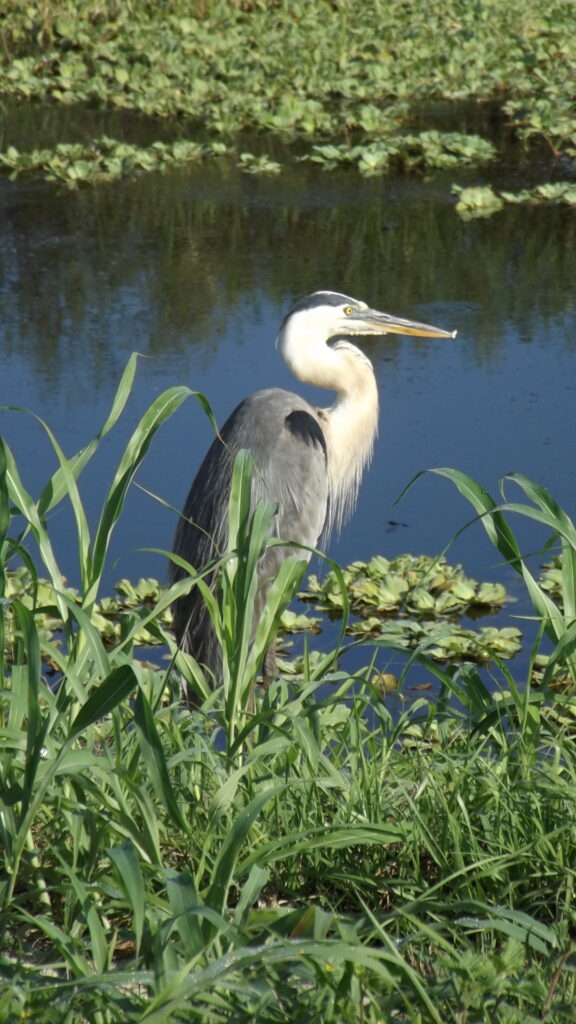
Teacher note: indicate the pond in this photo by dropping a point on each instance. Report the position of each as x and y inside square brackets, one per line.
[195, 269]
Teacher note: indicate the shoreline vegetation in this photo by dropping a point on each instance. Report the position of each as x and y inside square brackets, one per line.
[295, 854]
[338, 84]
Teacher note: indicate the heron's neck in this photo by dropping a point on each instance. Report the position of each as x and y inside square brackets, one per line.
[351, 424]
[350, 427]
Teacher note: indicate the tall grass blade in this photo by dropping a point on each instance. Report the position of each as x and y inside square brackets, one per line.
[487, 509]
[549, 514]
[57, 487]
[183, 897]
[562, 654]
[4, 512]
[37, 726]
[125, 860]
[187, 984]
[87, 646]
[4, 527]
[158, 412]
[63, 484]
[19, 496]
[154, 759]
[559, 522]
[230, 851]
[515, 923]
[63, 943]
[282, 591]
[87, 904]
[258, 877]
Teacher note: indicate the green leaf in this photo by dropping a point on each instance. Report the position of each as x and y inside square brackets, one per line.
[37, 725]
[104, 698]
[230, 850]
[184, 898]
[154, 760]
[127, 864]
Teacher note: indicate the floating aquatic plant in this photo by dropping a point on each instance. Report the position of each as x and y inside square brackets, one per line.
[103, 159]
[441, 641]
[309, 74]
[408, 585]
[108, 616]
[415, 600]
[483, 201]
[426, 151]
[421, 593]
[251, 164]
[106, 159]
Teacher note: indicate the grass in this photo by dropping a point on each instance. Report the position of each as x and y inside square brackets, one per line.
[297, 855]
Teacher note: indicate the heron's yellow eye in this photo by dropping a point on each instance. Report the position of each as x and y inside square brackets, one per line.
[348, 310]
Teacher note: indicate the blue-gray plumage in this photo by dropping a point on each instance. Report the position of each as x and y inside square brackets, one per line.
[307, 461]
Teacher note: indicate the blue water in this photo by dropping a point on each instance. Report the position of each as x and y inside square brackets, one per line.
[195, 270]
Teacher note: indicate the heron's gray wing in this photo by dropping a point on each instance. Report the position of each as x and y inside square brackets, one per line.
[200, 537]
[288, 447]
[291, 469]
[293, 476]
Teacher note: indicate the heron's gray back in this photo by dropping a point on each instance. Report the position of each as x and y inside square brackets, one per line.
[284, 435]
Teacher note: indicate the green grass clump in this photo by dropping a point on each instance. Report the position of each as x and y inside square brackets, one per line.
[296, 854]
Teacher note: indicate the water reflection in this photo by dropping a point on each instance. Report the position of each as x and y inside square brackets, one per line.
[159, 263]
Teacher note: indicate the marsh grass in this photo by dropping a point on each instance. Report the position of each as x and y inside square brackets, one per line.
[291, 855]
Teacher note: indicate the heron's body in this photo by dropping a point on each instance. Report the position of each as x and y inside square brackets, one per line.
[299, 452]
[307, 461]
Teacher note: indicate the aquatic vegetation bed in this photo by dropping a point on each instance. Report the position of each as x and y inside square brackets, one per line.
[103, 159]
[409, 600]
[281, 855]
[338, 83]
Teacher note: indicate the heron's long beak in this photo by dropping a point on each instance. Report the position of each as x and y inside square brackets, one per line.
[371, 321]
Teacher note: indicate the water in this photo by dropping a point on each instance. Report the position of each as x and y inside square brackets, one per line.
[196, 269]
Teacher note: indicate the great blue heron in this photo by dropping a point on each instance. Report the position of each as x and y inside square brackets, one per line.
[307, 461]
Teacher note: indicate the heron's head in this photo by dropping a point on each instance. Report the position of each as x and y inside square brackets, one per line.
[331, 314]
[322, 316]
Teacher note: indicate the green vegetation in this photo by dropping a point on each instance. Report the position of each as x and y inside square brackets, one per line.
[407, 600]
[426, 597]
[102, 159]
[339, 82]
[301, 854]
[290, 855]
[484, 201]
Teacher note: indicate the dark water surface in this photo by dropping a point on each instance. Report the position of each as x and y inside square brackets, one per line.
[196, 269]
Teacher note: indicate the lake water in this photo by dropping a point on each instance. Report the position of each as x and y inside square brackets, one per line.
[196, 269]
